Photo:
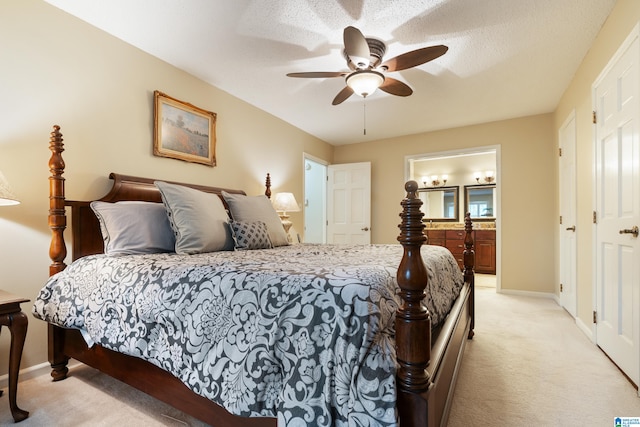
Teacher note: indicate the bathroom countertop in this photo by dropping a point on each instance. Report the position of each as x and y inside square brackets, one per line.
[489, 225]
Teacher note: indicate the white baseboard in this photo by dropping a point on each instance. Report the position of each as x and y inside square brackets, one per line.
[27, 373]
[528, 293]
[33, 371]
[588, 331]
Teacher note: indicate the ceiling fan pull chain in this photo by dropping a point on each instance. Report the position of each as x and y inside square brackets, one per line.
[364, 120]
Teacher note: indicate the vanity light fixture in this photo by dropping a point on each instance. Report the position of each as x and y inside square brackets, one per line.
[434, 181]
[488, 177]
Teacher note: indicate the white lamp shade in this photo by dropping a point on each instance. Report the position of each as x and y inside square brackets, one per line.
[365, 82]
[285, 202]
[6, 195]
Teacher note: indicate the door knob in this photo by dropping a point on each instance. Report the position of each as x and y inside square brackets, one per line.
[634, 230]
[572, 228]
[365, 229]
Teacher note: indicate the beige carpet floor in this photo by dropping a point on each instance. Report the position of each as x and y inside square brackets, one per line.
[89, 398]
[485, 280]
[528, 365]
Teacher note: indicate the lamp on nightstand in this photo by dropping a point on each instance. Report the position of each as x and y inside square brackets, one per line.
[283, 203]
[7, 197]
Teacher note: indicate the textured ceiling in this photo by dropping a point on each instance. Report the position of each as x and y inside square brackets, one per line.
[506, 58]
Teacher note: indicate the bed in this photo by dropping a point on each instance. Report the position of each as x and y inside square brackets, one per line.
[384, 328]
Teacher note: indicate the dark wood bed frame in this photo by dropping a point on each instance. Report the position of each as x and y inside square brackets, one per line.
[427, 373]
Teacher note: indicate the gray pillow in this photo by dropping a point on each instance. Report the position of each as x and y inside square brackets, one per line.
[130, 228]
[250, 235]
[199, 220]
[257, 208]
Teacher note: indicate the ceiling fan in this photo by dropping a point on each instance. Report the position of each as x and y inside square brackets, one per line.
[364, 57]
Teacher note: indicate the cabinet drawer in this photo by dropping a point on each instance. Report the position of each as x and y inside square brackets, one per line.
[456, 247]
[486, 235]
[436, 234]
[455, 234]
[436, 242]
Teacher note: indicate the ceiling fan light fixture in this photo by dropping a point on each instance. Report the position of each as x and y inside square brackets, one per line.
[365, 82]
[364, 59]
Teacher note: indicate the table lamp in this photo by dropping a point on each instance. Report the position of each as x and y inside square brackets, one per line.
[7, 197]
[283, 203]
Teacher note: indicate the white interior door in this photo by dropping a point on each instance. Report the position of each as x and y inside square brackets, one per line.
[568, 246]
[349, 203]
[315, 200]
[616, 101]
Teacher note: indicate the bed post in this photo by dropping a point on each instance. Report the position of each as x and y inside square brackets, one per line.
[57, 217]
[413, 321]
[57, 248]
[267, 184]
[469, 260]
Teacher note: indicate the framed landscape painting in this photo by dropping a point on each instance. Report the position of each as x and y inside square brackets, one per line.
[183, 131]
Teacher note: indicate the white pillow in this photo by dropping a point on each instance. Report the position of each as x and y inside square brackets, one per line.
[257, 208]
[199, 220]
[130, 228]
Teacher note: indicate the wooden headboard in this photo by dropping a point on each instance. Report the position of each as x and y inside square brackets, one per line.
[86, 237]
[85, 229]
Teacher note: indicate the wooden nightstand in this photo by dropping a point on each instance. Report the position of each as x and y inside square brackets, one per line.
[11, 316]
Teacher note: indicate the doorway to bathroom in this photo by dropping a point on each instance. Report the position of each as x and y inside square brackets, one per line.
[472, 172]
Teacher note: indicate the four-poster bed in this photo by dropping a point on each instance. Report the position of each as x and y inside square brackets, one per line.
[425, 376]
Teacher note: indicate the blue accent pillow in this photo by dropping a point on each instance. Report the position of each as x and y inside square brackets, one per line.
[250, 235]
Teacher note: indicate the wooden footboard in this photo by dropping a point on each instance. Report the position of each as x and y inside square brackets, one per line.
[426, 374]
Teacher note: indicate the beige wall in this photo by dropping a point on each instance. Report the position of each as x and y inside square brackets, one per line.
[527, 179]
[619, 24]
[56, 69]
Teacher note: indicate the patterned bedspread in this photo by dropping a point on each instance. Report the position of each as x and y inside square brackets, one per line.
[304, 333]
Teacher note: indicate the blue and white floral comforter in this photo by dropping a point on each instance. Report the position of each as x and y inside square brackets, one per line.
[304, 333]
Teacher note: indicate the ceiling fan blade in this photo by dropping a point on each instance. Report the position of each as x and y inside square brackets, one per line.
[395, 87]
[318, 74]
[356, 47]
[414, 58]
[342, 95]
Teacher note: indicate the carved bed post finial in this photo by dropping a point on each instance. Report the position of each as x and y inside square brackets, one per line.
[57, 216]
[413, 321]
[267, 184]
[469, 260]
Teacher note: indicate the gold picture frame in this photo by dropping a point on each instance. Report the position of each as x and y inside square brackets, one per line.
[183, 131]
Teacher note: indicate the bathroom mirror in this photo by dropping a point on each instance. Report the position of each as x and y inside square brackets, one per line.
[439, 203]
[480, 201]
